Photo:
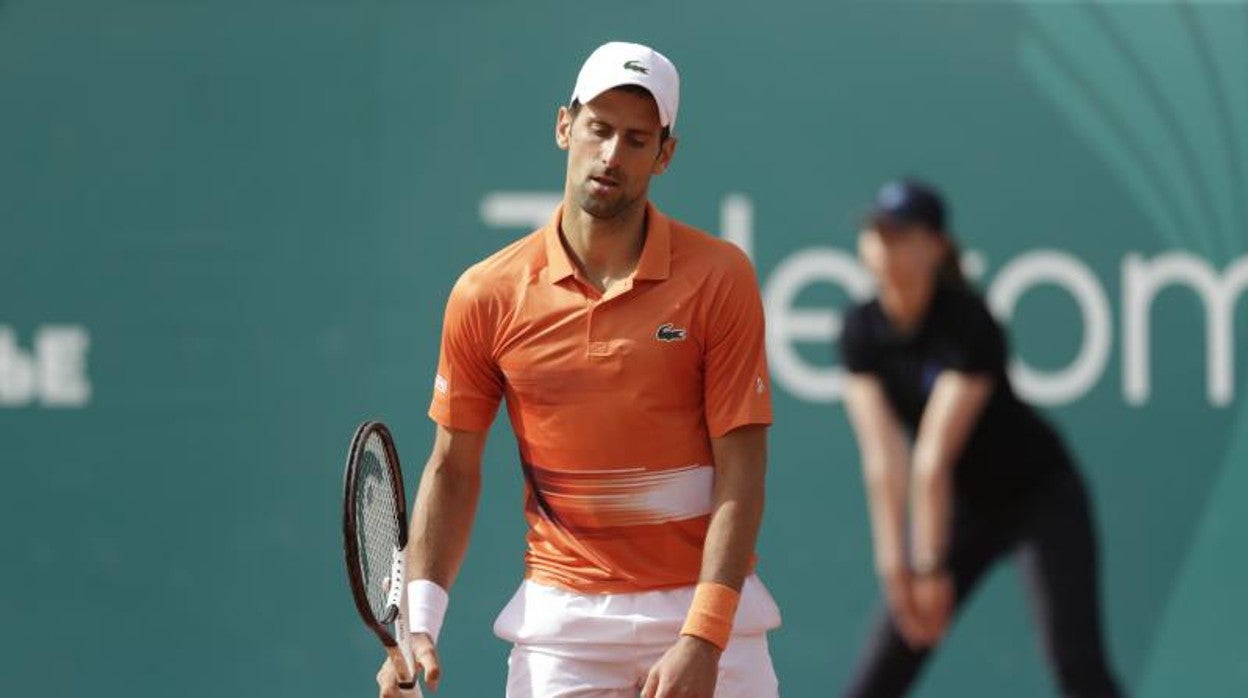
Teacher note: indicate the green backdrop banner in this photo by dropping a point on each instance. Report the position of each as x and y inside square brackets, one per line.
[228, 229]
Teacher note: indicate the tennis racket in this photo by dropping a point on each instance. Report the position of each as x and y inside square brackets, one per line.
[374, 535]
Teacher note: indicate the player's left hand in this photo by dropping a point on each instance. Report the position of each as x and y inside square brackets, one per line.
[687, 670]
[933, 601]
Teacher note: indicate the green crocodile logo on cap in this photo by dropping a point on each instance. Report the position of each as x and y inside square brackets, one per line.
[636, 67]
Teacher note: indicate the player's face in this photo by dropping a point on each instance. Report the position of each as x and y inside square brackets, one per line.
[903, 256]
[614, 148]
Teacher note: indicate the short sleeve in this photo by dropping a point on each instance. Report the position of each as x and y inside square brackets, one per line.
[858, 353]
[469, 384]
[736, 385]
[978, 344]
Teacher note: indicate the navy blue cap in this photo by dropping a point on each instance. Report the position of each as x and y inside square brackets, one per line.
[904, 202]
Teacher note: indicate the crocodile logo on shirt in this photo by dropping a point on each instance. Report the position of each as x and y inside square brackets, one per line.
[668, 332]
[636, 67]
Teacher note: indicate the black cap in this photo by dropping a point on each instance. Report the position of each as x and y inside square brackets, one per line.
[904, 202]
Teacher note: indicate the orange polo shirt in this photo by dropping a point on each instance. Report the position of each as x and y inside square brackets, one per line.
[613, 398]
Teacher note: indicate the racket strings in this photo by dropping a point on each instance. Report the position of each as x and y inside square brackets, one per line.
[378, 524]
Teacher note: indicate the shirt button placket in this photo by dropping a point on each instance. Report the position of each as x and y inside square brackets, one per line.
[595, 347]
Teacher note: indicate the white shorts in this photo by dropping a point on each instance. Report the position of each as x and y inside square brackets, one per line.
[570, 645]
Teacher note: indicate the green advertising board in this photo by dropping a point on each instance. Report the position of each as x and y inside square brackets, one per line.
[229, 229]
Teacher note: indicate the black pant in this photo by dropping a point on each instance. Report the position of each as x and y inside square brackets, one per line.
[1056, 541]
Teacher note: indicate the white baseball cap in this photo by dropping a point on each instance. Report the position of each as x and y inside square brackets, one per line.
[621, 63]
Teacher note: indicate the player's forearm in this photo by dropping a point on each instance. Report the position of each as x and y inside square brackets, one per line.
[737, 506]
[731, 537]
[446, 505]
[736, 513]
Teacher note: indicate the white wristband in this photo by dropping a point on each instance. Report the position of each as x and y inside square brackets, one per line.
[426, 607]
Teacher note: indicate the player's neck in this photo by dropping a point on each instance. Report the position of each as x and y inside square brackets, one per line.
[605, 251]
[906, 306]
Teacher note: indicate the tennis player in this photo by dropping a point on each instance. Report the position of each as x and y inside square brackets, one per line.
[940, 428]
[629, 349]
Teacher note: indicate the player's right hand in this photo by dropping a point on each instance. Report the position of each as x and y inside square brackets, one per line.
[426, 665]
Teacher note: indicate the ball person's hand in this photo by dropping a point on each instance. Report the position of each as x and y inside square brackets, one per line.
[687, 670]
[898, 591]
[933, 601]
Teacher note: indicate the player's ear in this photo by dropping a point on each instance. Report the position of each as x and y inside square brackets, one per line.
[563, 128]
[666, 150]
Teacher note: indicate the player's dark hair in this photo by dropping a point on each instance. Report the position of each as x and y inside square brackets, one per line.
[575, 107]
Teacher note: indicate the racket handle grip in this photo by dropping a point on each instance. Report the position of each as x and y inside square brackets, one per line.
[407, 690]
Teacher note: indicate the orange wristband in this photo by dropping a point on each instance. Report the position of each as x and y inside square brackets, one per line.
[711, 613]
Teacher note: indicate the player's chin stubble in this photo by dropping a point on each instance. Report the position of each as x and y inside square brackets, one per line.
[604, 208]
